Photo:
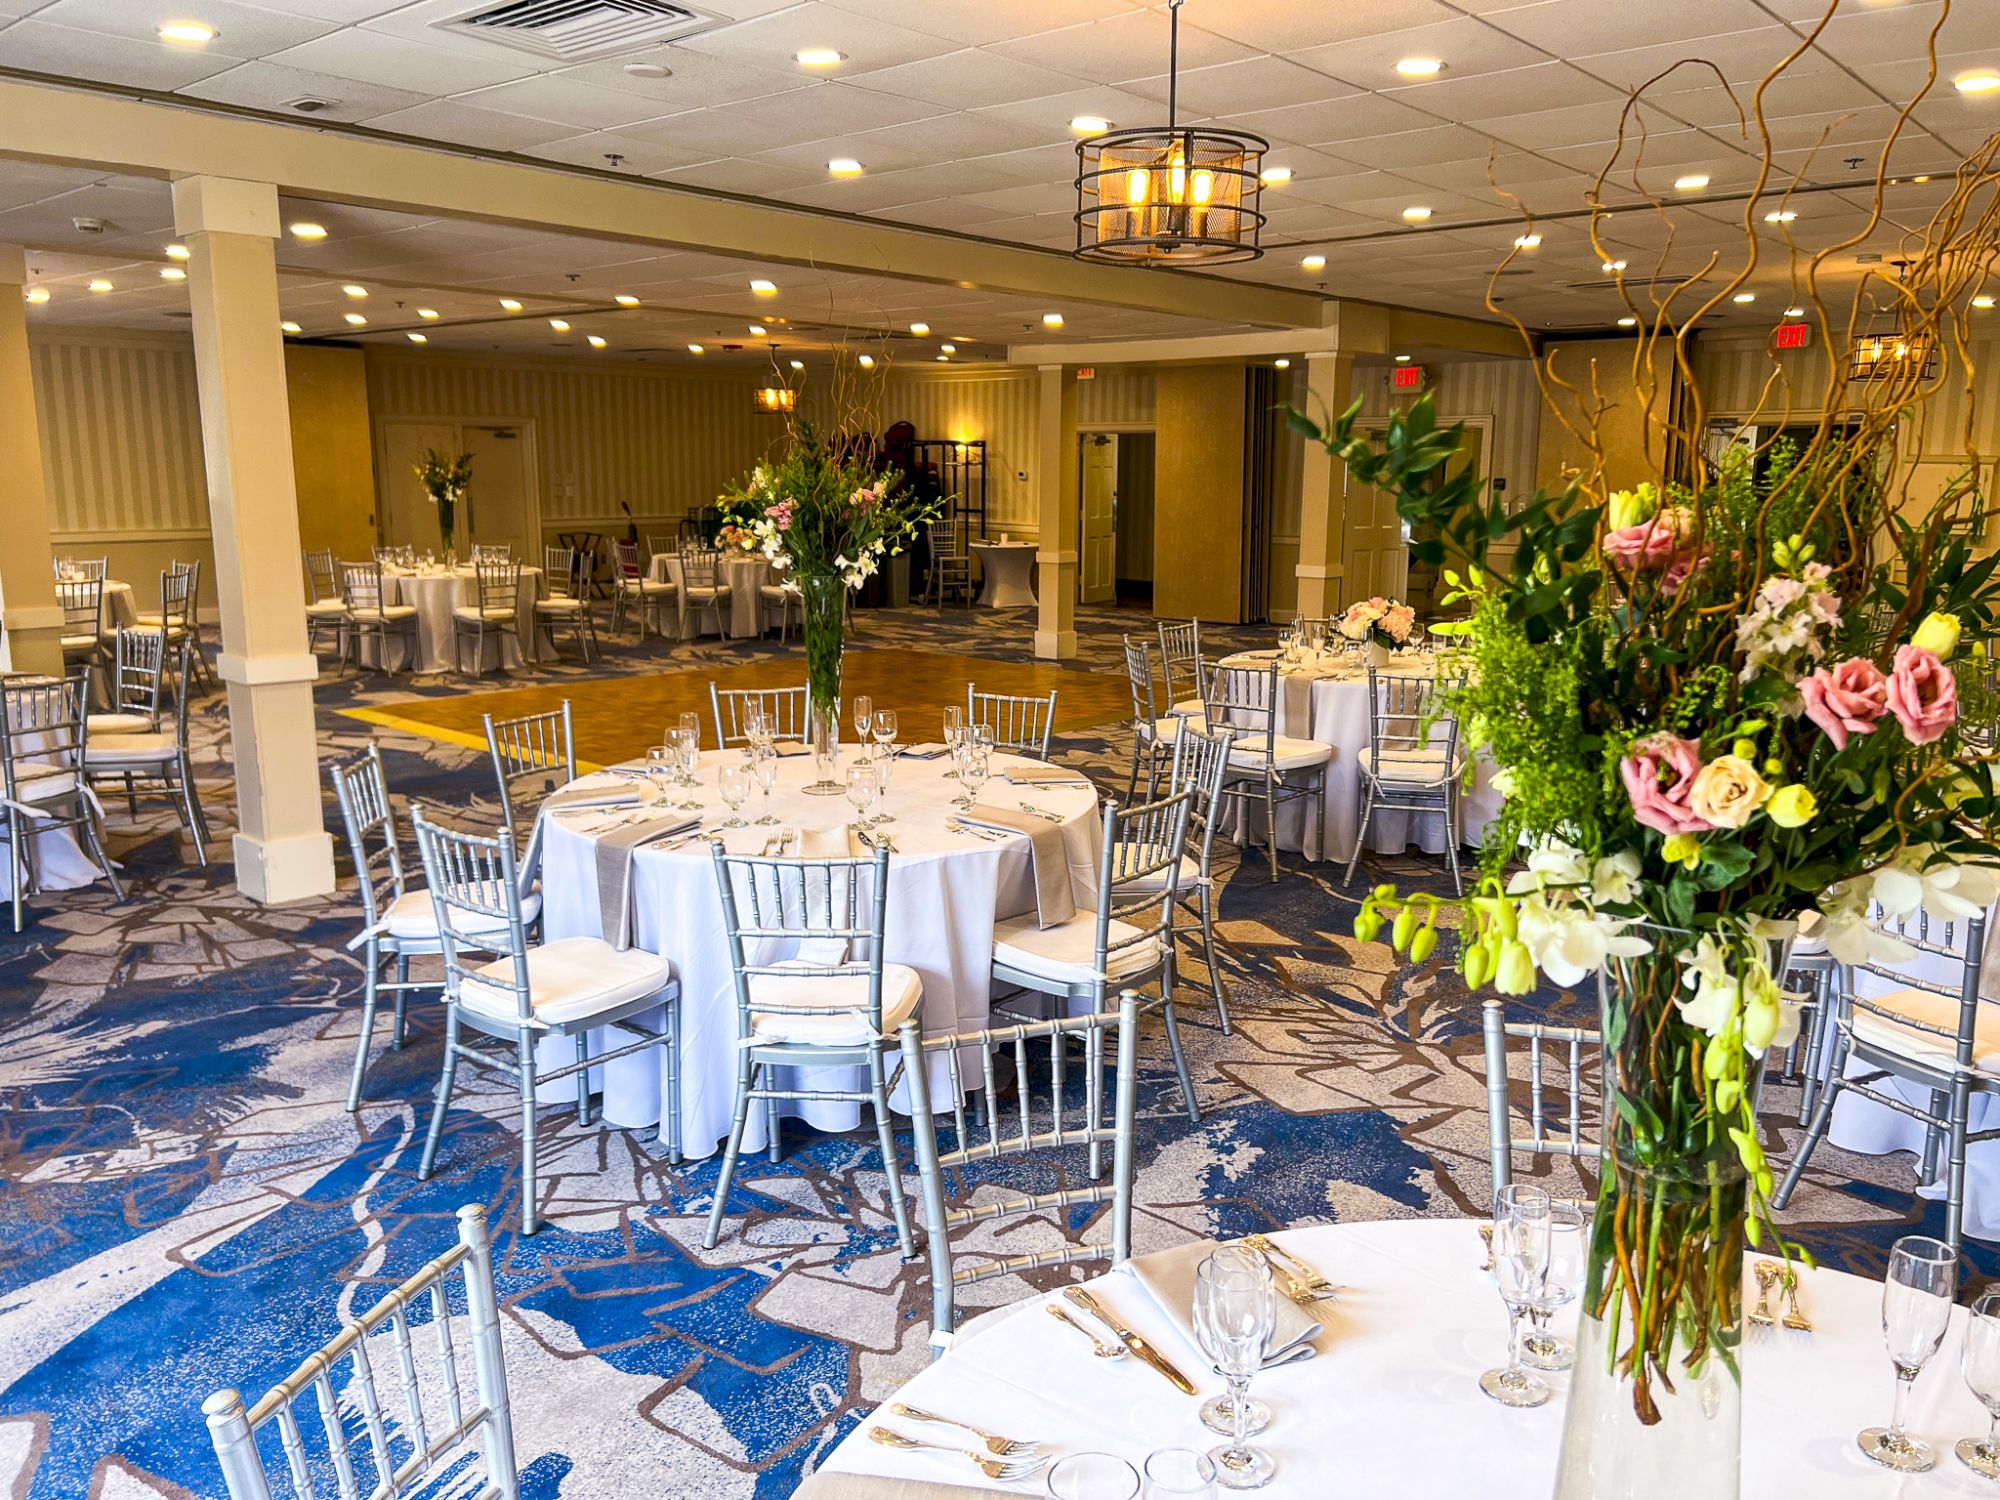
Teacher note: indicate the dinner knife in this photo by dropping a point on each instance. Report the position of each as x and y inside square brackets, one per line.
[1127, 1337]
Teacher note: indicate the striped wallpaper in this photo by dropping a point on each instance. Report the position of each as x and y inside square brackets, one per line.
[121, 434]
[1503, 390]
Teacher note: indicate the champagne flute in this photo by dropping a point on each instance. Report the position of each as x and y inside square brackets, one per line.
[766, 766]
[1233, 1314]
[690, 763]
[954, 731]
[885, 761]
[1916, 1309]
[1542, 1350]
[864, 719]
[734, 782]
[690, 726]
[1520, 1265]
[754, 729]
[1979, 1362]
[861, 790]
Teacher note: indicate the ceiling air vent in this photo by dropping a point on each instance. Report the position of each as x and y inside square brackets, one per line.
[574, 30]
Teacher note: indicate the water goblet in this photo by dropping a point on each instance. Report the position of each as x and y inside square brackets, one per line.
[1542, 1350]
[1179, 1474]
[1233, 1314]
[1979, 1362]
[1520, 1265]
[690, 725]
[861, 791]
[886, 728]
[765, 766]
[1916, 1309]
[663, 763]
[734, 782]
[1093, 1476]
[753, 720]
[972, 775]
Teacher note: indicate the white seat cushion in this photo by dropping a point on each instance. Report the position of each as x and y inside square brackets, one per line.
[841, 1003]
[571, 979]
[1921, 1046]
[38, 781]
[79, 643]
[1165, 730]
[326, 609]
[412, 917]
[1412, 767]
[1287, 754]
[777, 593]
[149, 749]
[706, 592]
[118, 724]
[473, 615]
[392, 614]
[1189, 708]
[562, 604]
[1190, 873]
[646, 586]
[1065, 952]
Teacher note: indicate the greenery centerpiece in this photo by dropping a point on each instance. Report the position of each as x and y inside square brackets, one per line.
[445, 478]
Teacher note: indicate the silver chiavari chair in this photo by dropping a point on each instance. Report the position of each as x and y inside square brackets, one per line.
[82, 567]
[951, 563]
[1200, 764]
[155, 756]
[833, 1002]
[82, 602]
[1936, 1033]
[534, 754]
[369, 613]
[530, 993]
[565, 604]
[1074, 1120]
[1152, 733]
[498, 581]
[784, 713]
[180, 600]
[1572, 1048]
[431, 1439]
[138, 683]
[703, 586]
[1181, 663]
[44, 737]
[786, 600]
[1412, 764]
[326, 609]
[1266, 767]
[1020, 725]
[631, 585]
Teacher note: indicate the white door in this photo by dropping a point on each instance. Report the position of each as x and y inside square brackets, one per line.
[498, 504]
[1374, 554]
[1098, 580]
[408, 517]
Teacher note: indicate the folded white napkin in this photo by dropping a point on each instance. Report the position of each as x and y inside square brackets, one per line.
[929, 750]
[875, 1487]
[1168, 1275]
[1055, 900]
[1045, 776]
[603, 794]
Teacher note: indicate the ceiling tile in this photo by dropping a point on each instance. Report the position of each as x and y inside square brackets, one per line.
[874, 156]
[42, 48]
[1049, 117]
[1418, 148]
[1289, 28]
[697, 80]
[770, 41]
[1232, 88]
[975, 22]
[829, 109]
[1333, 124]
[462, 124]
[567, 102]
[945, 136]
[1121, 47]
[241, 30]
[1741, 57]
[718, 134]
[639, 158]
[1577, 28]
[968, 78]
[269, 85]
[400, 63]
[743, 175]
[1468, 49]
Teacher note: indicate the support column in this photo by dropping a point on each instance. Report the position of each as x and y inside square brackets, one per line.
[1323, 488]
[1059, 514]
[230, 227]
[28, 608]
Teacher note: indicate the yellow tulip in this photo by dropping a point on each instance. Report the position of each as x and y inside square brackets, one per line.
[1937, 635]
[1792, 806]
[1681, 849]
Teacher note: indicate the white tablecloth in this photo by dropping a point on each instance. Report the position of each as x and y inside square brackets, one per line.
[1337, 694]
[121, 606]
[436, 595]
[1391, 1406]
[946, 891]
[57, 858]
[743, 618]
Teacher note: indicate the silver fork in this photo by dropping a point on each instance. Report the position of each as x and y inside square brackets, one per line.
[999, 1447]
[1003, 1469]
[1040, 812]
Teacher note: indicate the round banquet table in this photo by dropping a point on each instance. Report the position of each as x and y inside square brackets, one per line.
[58, 859]
[946, 892]
[1326, 699]
[744, 618]
[436, 593]
[1391, 1404]
[121, 607]
[1006, 566]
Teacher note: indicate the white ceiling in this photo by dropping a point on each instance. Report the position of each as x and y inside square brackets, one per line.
[959, 110]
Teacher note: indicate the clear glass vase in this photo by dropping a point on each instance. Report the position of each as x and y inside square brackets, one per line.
[824, 612]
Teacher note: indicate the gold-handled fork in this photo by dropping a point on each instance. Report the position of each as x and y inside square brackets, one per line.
[1003, 1469]
[1767, 1277]
[1097, 1345]
[1793, 1318]
[1308, 1285]
[999, 1447]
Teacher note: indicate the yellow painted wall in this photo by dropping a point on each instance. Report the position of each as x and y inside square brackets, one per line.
[331, 449]
[1632, 438]
[1198, 499]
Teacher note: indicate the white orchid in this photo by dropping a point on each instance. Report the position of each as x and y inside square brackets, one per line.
[1553, 863]
[1569, 942]
[1614, 879]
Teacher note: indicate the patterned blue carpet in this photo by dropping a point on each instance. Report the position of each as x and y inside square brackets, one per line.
[185, 1204]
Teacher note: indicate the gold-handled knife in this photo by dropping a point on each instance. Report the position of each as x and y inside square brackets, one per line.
[1127, 1337]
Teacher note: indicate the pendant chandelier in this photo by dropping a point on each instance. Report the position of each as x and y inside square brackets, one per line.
[1173, 194]
[1881, 356]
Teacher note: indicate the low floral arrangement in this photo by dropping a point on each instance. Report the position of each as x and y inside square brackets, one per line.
[1386, 622]
[734, 538]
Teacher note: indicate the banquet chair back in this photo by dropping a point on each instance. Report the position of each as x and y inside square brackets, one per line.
[82, 567]
[322, 578]
[951, 562]
[1412, 763]
[1931, 1028]
[431, 1439]
[370, 613]
[362, 584]
[1180, 663]
[1020, 725]
[82, 602]
[831, 1001]
[326, 609]
[1266, 767]
[535, 748]
[1152, 735]
[499, 586]
[44, 736]
[784, 713]
[1201, 767]
[566, 602]
[148, 755]
[632, 585]
[138, 678]
[703, 585]
[1068, 1124]
[1570, 1047]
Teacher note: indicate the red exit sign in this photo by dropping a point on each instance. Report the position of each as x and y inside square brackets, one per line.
[1792, 336]
[1407, 378]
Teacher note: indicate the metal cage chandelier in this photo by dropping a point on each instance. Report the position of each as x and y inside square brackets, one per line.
[1878, 356]
[1173, 194]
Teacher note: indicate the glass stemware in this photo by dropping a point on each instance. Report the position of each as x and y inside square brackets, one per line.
[885, 761]
[861, 790]
[954, 732]
[1179, 1474]
[1979, 1362]
[690, 748]
[765, 764]
[1916, 1310]
[1520, 1265]
[972, 773]
[754, 726]
[864, 720]
[886, 728]
[734, 782]
[690, 726]
[663, 764]
[1542, 1350]
[1233, 1314]
[1093, 1476]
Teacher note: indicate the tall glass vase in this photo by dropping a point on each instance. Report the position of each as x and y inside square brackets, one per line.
[824, 598]
[447, 509]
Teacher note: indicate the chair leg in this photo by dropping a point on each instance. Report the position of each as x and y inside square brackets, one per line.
[673, 1065]
[1360, 831]
[1954, 1181]
[525, 1054]
[745, 1072]
[369, 983]
[1271, 823]
[402, 1001]
[447, 1077]
[1934, 1136]
[878, 1100]
[1093, 1091]
[96, 842]
[16, 866]
[1451, 845]
[772, 1150]
[1210, 957]
[1180, 1060]
[1816, 1132]
[191, 800]
[131, 797]
[583, 1078]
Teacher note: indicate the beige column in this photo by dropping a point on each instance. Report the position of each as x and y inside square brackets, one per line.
[230, 227]
[28, 608]
[1323, 488]
[1059, 512]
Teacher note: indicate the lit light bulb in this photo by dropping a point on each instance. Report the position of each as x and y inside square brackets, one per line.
[1984, 82]
[948, 348]
[1281, 364]
[1694, 182]
[696, 349]
[172, 273]
[37, 294]
[1052, 320]
[1744, 298]
[819, 57]
[418, 338]
[844, 166]
[355, 291]
[1416, 214]
[1614, 265]
[595, 341]
[1138, 187]
[1780, 216]
[100, 285]
[1983, 303]
[1089, 125]
[867, 361]
[763, 288]
[920, 329]
[305, 229]
[508, 304]
[192, 33]
[178, 252]
[798, 364]
[758, 330]
[1527, 241]
[1276, 176]
[289, 327]
[1420, 67]
[1628, 322]
[1313, 263]
[356, 320]
[626, 299]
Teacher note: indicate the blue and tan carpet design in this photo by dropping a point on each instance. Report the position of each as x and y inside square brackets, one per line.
[185, 1203]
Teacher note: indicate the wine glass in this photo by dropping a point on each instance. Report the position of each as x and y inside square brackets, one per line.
[886, 728]
[1979, 1362]
[690, 747]
[1179, 1474]
[734, 782]
[1542, 1350]
[1916, 1309]
[1093, 1476]
[972, 775]
[765, 765]
[861, 790]
[663, 763]
[864, 719]
[1233, 1313]
[1520, 1265]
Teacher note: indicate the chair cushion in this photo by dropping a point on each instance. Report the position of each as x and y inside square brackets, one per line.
[1189, 708]
[704, 591]
[1190, 872]
[39, 781]
[473, 615]
[1412, 767]
[79, 643]
[149, 749]
[777, 593]
[560, 604]
[1065, 952]
[1287, 754]
[412, 917]
[1164, 730]
[842, 1001]
[326, 609]
[1921, 1046]
[571, 979]
[121, 723]
[392, 614]
[646, 586]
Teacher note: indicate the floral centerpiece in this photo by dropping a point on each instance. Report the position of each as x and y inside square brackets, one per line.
[733, 538]
[445, 478]
[1384, 625]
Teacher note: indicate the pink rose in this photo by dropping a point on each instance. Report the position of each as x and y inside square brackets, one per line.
[1846, 699]
[1650, 545]
[1663, 806]
[1922, 695]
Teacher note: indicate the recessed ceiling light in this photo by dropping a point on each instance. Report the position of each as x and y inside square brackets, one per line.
[696, 349]
[178, 252]
[418, 338]
[944, 359]
[920, 329]
[510, 304]
[844, 166]
[560, 325]
[1694, 182]
[1614, 265]
[1416, 213]
[1276, 176]
[100, 285]
[1628, 322]
[427, 313]
[305, 229]
[649, 70]
[1925, 178]
[1281, 364]
[289, 327]
[1744, 297]
[1402, 359]
[1313, 263]
[949, 348]
[1527, 241]
[1089, 125]
[1795, 312]
[867, 361]
[626, 299]
[798, 364]
[1780, 216]
[764, 288]
[1052, 320]
[1983, 82]
[758, 330]
[1420, 67]
[596, 341]
[356, 319]
[355, 291]
[1983, 303]
[819, 57]
[37, 294]
[172, 273]
[187, 31]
